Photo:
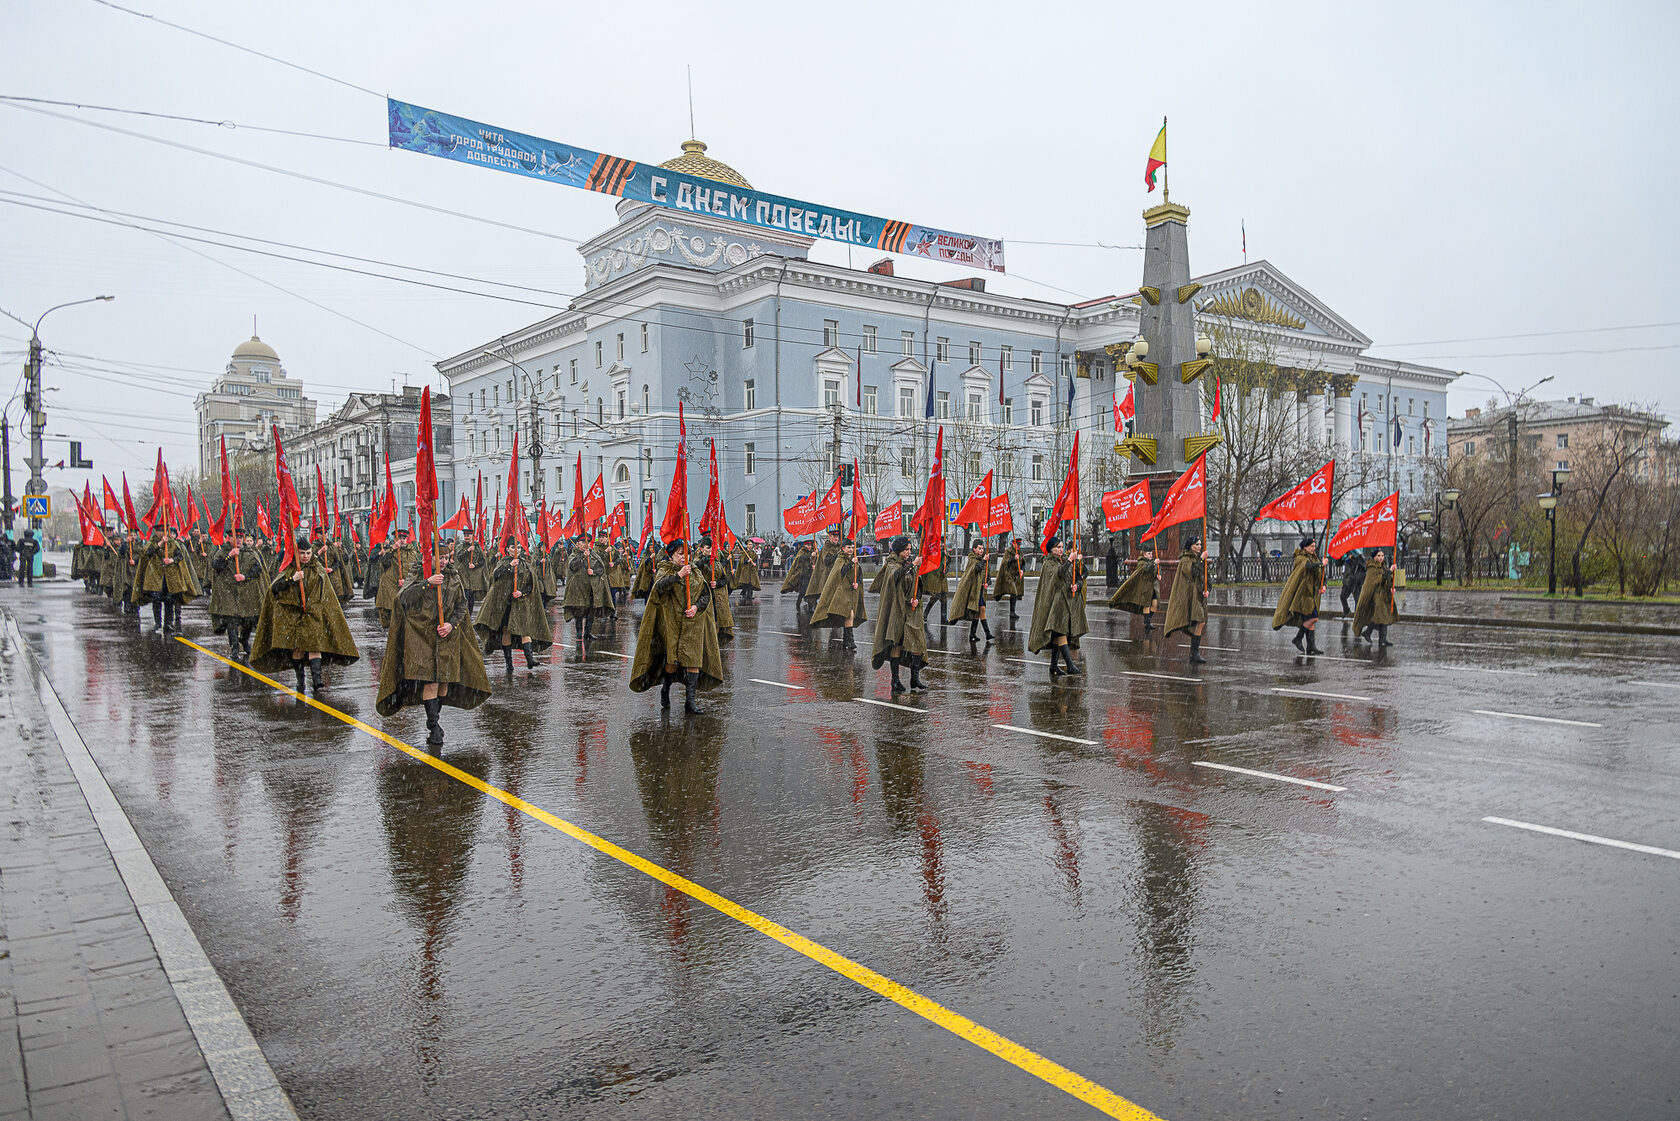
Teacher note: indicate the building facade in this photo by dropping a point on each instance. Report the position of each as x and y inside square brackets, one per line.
[1552, 431]
[253, 394]
[794, 368]
[351, 445]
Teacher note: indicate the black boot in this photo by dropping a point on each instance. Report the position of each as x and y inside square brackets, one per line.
[691, 682]
[1067, 660]
[1312, 646]
[530, 658]
[507, 658]
[582, 636]
[315, 676]
[434, 729]
[987, 627]
[943, 620]
[1013, 601]
[1300, 633]
[665, 680]
[157, 615]
[1055, 653]
[897, 685]
[848, 643]
[916, 685]
[974, 631]
[928, 610]
[1382, 635]
[297, 666]
[1196, 650]
[172, 614]
[1148, 621]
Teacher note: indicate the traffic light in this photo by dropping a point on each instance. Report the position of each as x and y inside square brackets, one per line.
[845, 474]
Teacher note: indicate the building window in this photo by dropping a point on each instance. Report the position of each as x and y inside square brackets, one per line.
[751, 459]
[906, 401]
[869, 400]
[1563, 440]
[1379, 402]
[621, 396]
[907, 343]
[1038, 468]
[973, 408]
[498, 440]
[1007, 465]
[944, 406]
[619, 353]
[644, 338]
[750, 395]
[1410, 401]
[512, 396]
[577, 422]
[1067, 367]
[1563, 465]
[1038, 361]
[868, 339]
[1411, 445]
[942, 349]
[746, 334]
[974, 354]
[1006, 358]
[871, 459]
[831, 332]
[831, 392]
[647, 401]
[1097, 369]
[1470, 448]
[574, 371]
[1009, 410]
[1036, 412]
[600, 412]
[1426, 407]
[974, 465]
[907, 463]
[496, 395]
[749, 522]
[600, 353]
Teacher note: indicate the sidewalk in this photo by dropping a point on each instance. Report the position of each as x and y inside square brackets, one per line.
[1424, 603]
[99, 972]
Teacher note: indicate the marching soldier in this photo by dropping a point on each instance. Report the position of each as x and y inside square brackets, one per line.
[587, 594]
[302, 623]
[1298, 605]
[620, 573]
[970, 600]
[1187, 605]
[841, 603]
[678, 637]
[900, 637]
[513, 609]
[1353, 580]
[237, 583]
[746, 573]
[474, 568]
[1141, 592]
[717, 575]
[1080, 580]
[798, 574]
[336, 558]
[198, 554]
[936, 588]
[1052, 615]
[1011, 583]
[645, 572]
[819, 568]
[393, 566]
[1376, 607]
[165, 577]
[430, 658]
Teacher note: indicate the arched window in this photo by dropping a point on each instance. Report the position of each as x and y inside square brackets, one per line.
[647, 401]
[621, 474]
[600, 411]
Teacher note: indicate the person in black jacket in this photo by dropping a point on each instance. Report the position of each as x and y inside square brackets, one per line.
[6, 557]
[26, 550]
[1353, 578]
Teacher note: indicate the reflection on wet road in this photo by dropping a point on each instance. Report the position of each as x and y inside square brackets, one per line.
[1274, 887]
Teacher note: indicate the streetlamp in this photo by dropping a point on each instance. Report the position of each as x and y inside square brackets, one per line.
[1433, 517]
[37, 415]
[1548, 503]
[536, 447]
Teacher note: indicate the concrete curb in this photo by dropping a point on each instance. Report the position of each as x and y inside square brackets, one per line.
[1474, 621]
[244, 1078]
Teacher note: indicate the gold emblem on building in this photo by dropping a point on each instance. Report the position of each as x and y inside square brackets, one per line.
[1250, 304]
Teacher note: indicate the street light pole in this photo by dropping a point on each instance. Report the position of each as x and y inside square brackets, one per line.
[536, 448]
[1548, 503]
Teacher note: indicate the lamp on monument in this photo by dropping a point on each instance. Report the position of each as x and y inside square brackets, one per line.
[1204, 346]
[1137, 353]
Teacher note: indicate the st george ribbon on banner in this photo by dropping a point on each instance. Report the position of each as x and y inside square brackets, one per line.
[431, 133]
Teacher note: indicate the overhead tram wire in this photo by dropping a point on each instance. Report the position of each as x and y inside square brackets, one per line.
[226, 124]
[235, 268]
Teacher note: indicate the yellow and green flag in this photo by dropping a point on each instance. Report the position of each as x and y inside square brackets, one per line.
[1157, 156]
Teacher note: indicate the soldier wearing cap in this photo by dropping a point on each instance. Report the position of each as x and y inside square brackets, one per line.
[841, 603]
[1141, 592]
[1053, 613]
[430, 658]
[900, 636]
[678, 637]
[1187, 605]
[302, 623]
[1298, 605]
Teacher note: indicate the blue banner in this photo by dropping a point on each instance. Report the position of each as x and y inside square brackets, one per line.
[432, 133]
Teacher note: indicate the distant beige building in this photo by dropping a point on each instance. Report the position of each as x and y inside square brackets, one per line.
[1553, 430]
[254, 393]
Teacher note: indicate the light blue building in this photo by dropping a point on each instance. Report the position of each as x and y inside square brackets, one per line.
[795, 368]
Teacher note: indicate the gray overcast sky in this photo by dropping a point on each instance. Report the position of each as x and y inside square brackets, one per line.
[1432, 172]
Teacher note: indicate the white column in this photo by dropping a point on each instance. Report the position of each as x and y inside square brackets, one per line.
[1343, 388]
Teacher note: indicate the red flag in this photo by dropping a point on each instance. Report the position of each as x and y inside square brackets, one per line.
[595, 503]
[425, 483]
[1125, 410]
[478, 512]
[714, 498]
[1066, 506]
[1213, 418]
[192, 508]
[977, 511]
[889, 522]
[291, 510]
[930, 518]
[337, 526]
[227, 477]
[798, 517]
[860, 508]
[1002, 521]
[1123, 509]
[496, 529]
[618, 525]
[725, 536]
[111, 502]
[128, 507]
[238, 506]
[1307, 501]
[319, 516]
[1186, 501]
[829, 510]
[384, 510]
[262, 521]
[1376, 526]
[462, 521]
[675, 523]
[513, 504]
[647, 525]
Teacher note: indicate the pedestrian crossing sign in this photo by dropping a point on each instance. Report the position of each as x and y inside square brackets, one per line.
[37, 506]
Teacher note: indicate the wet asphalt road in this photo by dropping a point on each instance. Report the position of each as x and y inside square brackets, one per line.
[1204, 942]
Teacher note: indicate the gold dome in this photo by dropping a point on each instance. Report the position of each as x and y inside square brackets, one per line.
[256, 348]
[694, 161]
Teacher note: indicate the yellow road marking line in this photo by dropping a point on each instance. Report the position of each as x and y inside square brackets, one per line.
[1071, 1082]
